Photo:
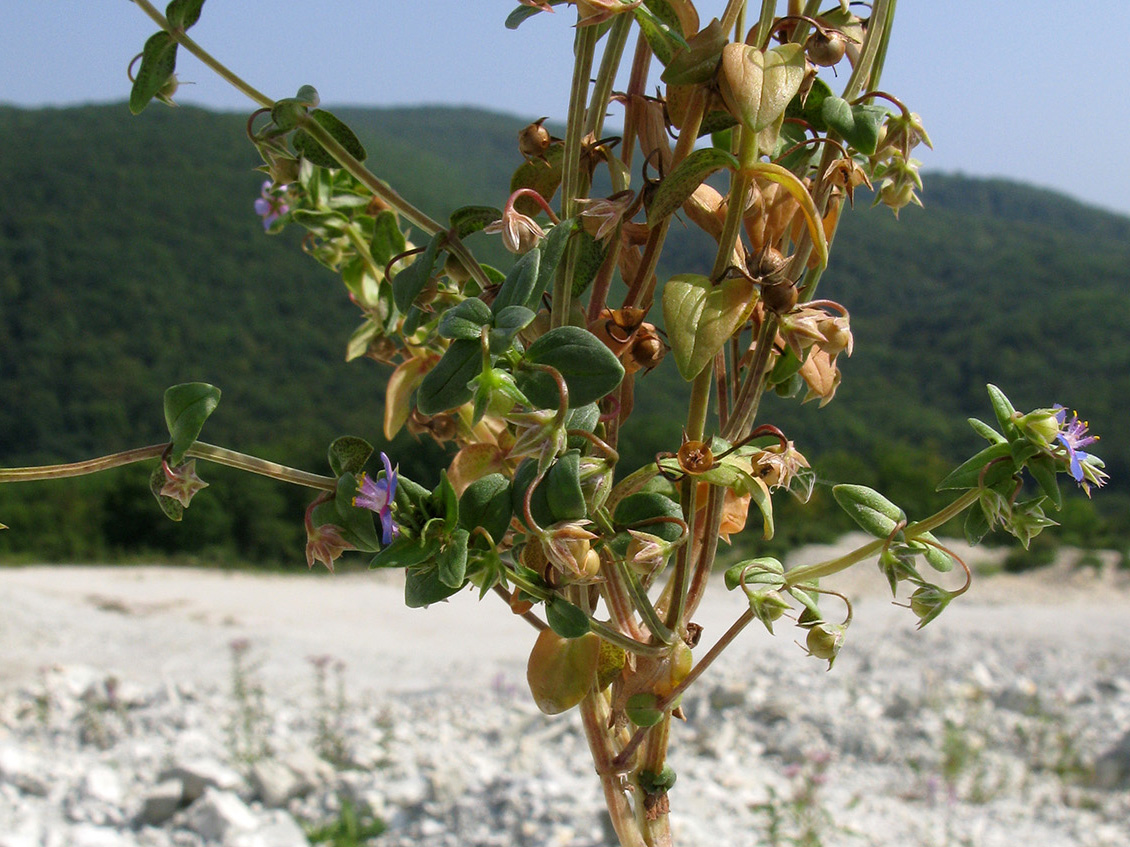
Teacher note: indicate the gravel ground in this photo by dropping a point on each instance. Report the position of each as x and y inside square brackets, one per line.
[1005, 721]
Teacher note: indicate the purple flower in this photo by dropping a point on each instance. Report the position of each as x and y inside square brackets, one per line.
[377, 496]
[271, 206]
[1072, 435]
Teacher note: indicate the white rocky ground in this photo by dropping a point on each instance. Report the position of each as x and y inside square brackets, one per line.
[1006, 721]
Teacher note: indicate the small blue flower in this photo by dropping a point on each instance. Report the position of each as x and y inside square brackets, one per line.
[271, 205]
[377, 496]
[1084, 468]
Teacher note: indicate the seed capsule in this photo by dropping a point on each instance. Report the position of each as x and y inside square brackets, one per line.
[825, 48]
[534, 140]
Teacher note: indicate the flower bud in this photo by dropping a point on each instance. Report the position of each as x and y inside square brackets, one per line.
[928, 602]
[824, 641]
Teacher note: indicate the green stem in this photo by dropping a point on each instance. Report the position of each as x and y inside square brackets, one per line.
[808, 573]
[765, 23]
[861, 75]
[606, 76]
[401, 206]
[643, 605]
[608, 633]
[734, 8]
[881, 57]
[749, 397]
[199, 450]
[584, 48]
[200, 53]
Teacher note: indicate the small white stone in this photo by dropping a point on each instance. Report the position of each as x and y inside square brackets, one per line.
[218, 814]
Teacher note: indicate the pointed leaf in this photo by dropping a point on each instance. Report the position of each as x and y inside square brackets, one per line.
[521, 283]
[187, 406]
[870, 509]
[590, 369]
[486, 503]
[968, 473]
[590, 256]
[677, 187]
[1043, 470]
[701, 317]
[697, 63]
[172, 507]
[355, 521]
[349, 454]
[515, 18]
[507, 323]
[465, 320]
[1003, 409]
[422, 587]
[542, 175]
[404, 380]
[451, 563]
[306, 146]
[409, 282]
[181, 14]
[565, 619]
[986, 431]
[388, 240]
[468, 219]
[660, 27]
[405, 552]
[857, 124]
[446, 385]
[158, 64]
[552, 250]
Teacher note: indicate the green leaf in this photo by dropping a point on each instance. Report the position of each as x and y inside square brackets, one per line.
[697, 63]
[968, 473]
[565, 619]
[486, 503]
[405, 552]
[563, 488]
[539, 503]
[935, 556]
[638, 511]
[688, 175]
[660, 26]
[307, 95]
[515, 18]
[810, 109]
[422, 587]
[508, 323]
[388, 240]
[986, 431]
[763, 571]
[870, 509]
[306, 146]
[173, 508]
[187, 406]
[701, 317]
[446, 385]
[552, 250]
[641, 710]
[465, 320]
[857, 124]
[357, 522]
[1043, 470]
[181, 14]
[158, 64]
[409, 282]
[590, 256]
[349, 454]
[446, 502]
[976, 525]
[789, 181]
[451, 563]
[521, 283]
[542, 175]
[468, 219]
[590, 369]
[1003, 409]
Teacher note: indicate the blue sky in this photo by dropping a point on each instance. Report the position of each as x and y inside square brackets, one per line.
[1034, 91]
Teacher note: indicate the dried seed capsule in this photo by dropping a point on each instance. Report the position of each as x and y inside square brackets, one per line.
[825, 48]
[780, 299]
[534, 140]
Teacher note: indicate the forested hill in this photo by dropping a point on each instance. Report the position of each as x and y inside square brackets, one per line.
[130, 259]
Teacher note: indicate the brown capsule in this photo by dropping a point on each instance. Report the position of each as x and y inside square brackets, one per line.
[780, 299]
[647, 351]
[825, 48]
[695, 457]
[769, 266]
[534, 140]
